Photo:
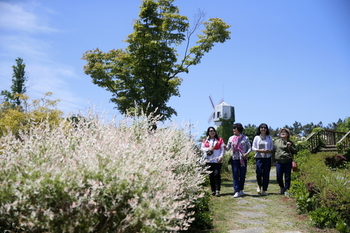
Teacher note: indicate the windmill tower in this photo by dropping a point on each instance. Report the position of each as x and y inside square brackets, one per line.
[221, 111]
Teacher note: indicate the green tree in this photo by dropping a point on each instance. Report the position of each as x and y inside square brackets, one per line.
[344, 126]
[14, 119]
[225, 129]
[145, 75]
[307, 129]
[18, 88]
[250, 131]
[297, 128]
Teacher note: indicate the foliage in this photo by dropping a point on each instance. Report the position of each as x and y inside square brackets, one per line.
[145, 74]
[203, 214]
[97, 177]
[13, 97]
[250, 132]
[347, 153]
[13, 119]
[305, 201]
[344, 126]
[303, 145]
[324, 217]
[225, 129]
[318, 189]
[335, 161]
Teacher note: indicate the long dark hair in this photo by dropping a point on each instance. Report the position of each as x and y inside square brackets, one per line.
[216, 133]
[267, 129]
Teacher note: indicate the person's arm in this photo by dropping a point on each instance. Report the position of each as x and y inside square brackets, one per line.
[229, 143]
[248, 148]
[255, 144]
[269, 144]
[222, 151]
[292, 148]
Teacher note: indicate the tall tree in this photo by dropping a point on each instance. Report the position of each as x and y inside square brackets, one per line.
[344, 126]
[145, 75]
[18, 87]
[250, 131]
[297, 128]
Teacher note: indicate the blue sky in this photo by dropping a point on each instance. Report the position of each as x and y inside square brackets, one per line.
[286, 61]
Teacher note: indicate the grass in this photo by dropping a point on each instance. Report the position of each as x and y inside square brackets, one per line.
[278, 212]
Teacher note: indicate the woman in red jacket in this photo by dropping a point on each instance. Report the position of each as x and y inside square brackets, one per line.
[213, 147]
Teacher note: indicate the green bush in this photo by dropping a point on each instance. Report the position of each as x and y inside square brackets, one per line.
[305, 201]
[303, 145]
[316, 188]
[342, 227]
[324, 217]
[203, 215]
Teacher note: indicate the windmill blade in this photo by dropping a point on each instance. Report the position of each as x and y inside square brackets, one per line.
[211, 117]
[212, 103]
[222, 100]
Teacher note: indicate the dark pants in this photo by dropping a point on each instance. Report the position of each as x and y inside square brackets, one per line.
[238, 174]
[262, 169]
[286, 170]
[215, 176]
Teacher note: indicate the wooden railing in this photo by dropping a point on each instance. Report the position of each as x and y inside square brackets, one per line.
[344, 142]
[328, 138]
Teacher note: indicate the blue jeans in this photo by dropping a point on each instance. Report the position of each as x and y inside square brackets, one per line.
[238, 174]
[262, 169]
[286, 170]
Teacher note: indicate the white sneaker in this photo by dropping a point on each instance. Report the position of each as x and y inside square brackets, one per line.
[258, 189]
[236, 195]
[286, 194]
[241, 193]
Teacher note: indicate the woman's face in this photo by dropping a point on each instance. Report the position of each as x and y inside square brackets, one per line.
[284, 134]
[235, 131]
[212, 132]
[263, 129]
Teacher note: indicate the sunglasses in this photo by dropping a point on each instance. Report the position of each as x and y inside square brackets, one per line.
[211, 130]
[263, 127]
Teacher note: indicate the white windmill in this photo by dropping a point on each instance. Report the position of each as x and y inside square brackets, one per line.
[221, 111]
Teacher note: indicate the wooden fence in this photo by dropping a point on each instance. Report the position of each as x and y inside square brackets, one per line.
[328, 139]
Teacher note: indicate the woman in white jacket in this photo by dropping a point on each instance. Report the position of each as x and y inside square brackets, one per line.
[263, 146]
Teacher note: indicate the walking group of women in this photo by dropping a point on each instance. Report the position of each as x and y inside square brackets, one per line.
[267, 152]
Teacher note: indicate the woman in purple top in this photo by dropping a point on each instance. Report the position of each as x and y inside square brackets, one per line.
[241, 147]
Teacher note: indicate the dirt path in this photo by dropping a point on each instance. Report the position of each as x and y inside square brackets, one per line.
[253, 213]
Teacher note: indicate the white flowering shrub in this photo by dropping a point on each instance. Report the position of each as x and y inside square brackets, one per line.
[99, 177]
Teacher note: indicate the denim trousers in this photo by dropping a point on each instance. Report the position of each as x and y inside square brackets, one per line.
[286, 170]
[262, 169]
[215, 176]
[238, 174]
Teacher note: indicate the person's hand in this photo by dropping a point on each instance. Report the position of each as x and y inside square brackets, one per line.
[288, 144]
[220, 160]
